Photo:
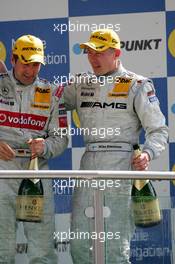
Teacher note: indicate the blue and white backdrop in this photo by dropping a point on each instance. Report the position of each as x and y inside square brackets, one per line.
[147, 31]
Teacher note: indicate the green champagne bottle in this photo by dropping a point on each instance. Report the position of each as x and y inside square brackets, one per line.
[29, 202]
[144, 201]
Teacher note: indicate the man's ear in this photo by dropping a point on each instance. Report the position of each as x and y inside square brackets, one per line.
[117, 52]
[12, 61]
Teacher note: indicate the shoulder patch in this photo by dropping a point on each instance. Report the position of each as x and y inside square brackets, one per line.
[59, 91]
[138, 83]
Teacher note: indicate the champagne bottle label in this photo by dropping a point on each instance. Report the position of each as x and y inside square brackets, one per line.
[139, 184]
[146, 212]
[29, 208]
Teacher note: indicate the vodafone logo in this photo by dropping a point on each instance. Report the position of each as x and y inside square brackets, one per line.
[22, 120]
[3, 118]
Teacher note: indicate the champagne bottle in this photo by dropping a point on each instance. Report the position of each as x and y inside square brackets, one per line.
[29, 202]
[144, 201]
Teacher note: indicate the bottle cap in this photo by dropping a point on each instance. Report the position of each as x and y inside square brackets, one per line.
[136, 146]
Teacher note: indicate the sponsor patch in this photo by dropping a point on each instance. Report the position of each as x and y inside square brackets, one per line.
[42, 95]
[59, 91]
[121, 88]
[22, 120]
[62, 121]
[6, 102]
[7, 97]
[62, 112]
[62, 115]
[42, 98]
[41, 106]
[61, 105]
[153, 99]
[5, 91]
[87, 93]
[106, 105]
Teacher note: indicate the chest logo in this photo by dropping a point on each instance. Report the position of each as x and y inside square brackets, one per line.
[42, 97]
[5, 91]
[121, 88]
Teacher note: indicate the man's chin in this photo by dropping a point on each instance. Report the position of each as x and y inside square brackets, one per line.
[27, 82]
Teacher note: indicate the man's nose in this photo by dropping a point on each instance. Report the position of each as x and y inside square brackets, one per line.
[28, 69]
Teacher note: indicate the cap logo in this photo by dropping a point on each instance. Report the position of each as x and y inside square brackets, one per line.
[99, 37]
[31, 48]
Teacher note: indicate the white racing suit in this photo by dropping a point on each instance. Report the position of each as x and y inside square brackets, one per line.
[112, 110]
[28, 112]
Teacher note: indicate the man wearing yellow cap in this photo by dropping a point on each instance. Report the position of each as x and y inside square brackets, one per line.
[120, 102]
[28, 116]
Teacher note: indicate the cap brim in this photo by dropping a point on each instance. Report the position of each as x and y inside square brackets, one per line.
[94, 45]
[34, 58]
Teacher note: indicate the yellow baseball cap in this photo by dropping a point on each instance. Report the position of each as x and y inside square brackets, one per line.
[29, 49]
[101, 40]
